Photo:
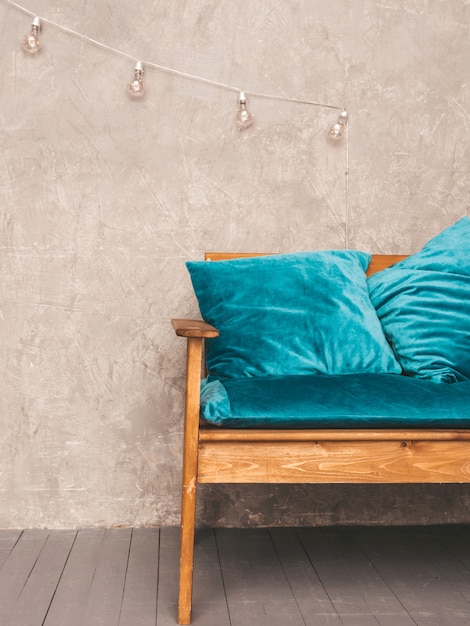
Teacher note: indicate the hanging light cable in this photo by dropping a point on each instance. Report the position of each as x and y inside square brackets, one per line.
[136, 87]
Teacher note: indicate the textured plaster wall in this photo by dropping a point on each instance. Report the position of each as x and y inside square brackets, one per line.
[102, 199]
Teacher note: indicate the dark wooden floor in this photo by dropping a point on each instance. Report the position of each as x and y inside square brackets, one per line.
[277, 577]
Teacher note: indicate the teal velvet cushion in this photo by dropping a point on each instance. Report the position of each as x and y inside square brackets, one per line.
[301, 313]
[338, 401]
[423, 303]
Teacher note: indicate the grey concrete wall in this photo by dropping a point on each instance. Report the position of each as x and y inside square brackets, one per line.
[102, 199]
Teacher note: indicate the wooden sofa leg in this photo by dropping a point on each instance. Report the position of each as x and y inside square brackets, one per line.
[190, 456]
[188, 514]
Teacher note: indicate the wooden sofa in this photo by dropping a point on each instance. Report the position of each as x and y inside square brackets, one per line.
[222, 455]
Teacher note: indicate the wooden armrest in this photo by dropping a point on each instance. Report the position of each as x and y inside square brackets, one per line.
[194, 328]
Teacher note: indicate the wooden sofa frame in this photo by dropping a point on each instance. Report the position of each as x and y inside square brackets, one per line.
[222, 455]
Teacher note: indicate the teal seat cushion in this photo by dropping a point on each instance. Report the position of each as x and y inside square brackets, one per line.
[291, 314]
[335, 401]
[423, 303]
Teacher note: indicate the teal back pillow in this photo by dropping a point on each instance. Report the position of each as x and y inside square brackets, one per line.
[423, 303]
[301, 313]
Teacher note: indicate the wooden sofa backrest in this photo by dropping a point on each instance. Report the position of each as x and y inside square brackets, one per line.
[378, 261]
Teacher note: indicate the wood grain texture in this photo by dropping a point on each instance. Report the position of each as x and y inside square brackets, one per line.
[194, 328]
[335, 462]
[208, 434]
[190, 460]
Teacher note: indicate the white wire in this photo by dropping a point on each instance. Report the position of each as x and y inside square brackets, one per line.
[169, 70]
[346, 173]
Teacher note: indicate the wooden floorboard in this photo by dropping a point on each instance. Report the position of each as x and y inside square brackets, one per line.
[107, 589]
[168, 577]
[306, 586]
[426, 595]
[340, 578]
[17, 568]
[74, 589]
[256, 587]
[38, 591]
[8, 539]
[139, 602]
[377, 598]
[354, 576]
[210, 606]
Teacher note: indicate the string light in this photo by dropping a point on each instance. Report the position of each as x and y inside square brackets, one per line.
[32, 45]
[136, 88]
[336, 130]
[30, 42]
[243, 117]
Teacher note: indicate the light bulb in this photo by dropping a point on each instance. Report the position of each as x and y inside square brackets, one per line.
[30, 42]
[136, 88]
[336, 130]
[244, 118]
